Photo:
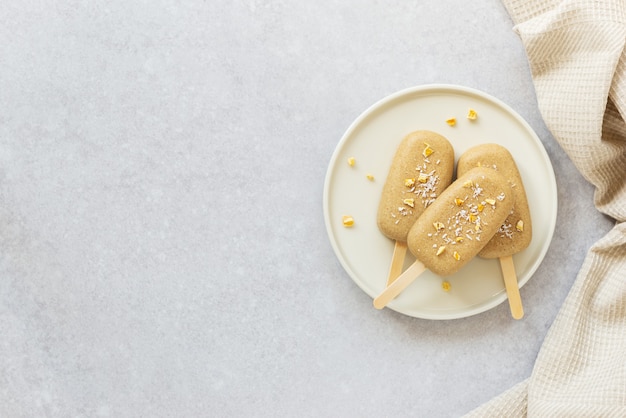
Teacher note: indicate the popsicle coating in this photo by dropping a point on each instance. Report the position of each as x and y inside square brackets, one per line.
[515, 233]
[461, 221]
[421, 169]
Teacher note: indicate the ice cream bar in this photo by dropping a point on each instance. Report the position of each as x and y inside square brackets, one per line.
[455, 227]
[421, 168]
[461, 222]
[515, 233]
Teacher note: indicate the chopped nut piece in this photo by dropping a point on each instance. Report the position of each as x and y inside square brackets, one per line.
[520, 226]
[351, 161]
[458, 201]
[427, 151]
[370, 177]
[491, 201]
[423, 178]
[409, 182]
[480, 207]
[459, 239]
[468, 184]
[477, 227]
[451, 121]
[471, 114]
[472, 218]
[456, 256]
[409, 202]
[439, 226]
[446, 286]
[441, 249]
[348, 221]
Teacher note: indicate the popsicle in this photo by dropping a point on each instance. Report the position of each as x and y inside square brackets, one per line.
[455, 227]
[515, 233]
[421, 168]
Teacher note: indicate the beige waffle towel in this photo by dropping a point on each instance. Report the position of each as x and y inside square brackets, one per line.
[576, 50]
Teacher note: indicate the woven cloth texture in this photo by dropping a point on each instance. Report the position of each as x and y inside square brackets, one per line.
[576, 51]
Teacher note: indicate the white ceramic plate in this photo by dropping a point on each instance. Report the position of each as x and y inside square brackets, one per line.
[372, 140]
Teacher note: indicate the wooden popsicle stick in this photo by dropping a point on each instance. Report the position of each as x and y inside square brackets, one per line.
[397, 261]
[398, 285]
[512, 288]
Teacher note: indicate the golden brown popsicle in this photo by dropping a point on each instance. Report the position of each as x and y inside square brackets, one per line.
[515, 233]
[455, 227]
[421, 169]
[469, 214]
